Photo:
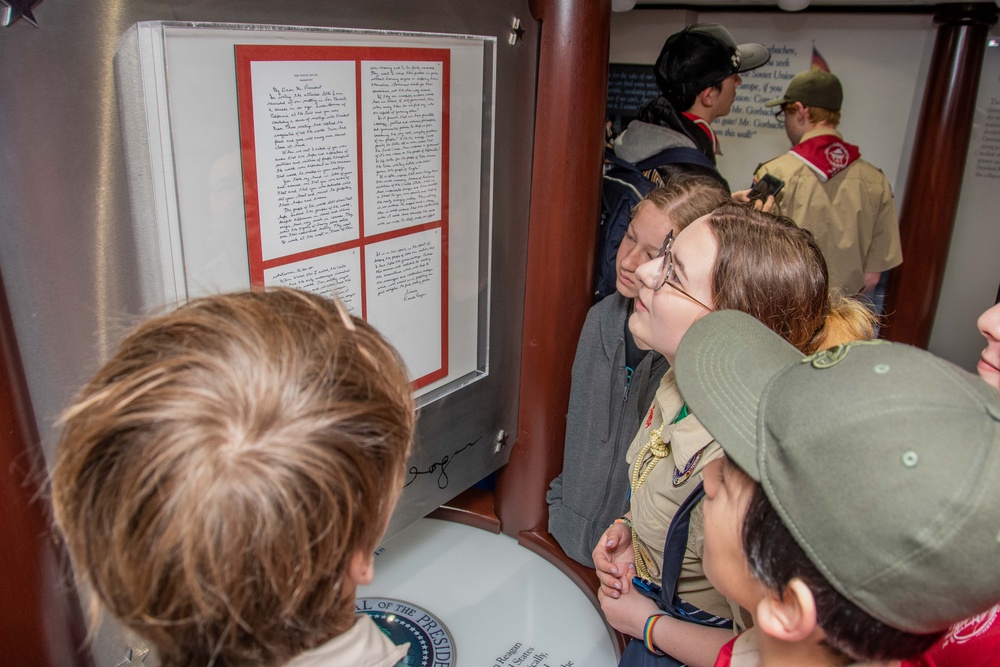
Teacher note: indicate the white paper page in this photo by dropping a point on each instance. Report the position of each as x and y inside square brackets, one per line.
[401, 112]
[403, 288]
[305, 132]
[210, 225]
[337, 274]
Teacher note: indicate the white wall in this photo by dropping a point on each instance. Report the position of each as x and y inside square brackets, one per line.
[879, 58]
[973, 270]
[882, 60]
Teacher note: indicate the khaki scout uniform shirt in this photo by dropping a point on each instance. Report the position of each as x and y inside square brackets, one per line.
[363, 645]
[851, 216]
[656, 501]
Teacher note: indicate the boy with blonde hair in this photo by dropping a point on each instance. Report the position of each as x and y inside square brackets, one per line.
[223, 481]
[856, 512]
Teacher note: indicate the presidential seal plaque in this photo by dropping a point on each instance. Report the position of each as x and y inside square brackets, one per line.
[431, 644]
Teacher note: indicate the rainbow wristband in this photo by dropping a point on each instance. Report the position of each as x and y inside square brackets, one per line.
[623, 519]
[647, 634]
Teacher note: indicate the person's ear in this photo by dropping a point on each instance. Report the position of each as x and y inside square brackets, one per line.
[790, 617]
[361, 569]
[707, 96]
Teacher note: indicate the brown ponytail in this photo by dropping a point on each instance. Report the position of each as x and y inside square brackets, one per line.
[849, 319]
[772, 269]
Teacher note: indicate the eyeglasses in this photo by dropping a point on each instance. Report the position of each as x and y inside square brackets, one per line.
[665, 274]
[780, 113]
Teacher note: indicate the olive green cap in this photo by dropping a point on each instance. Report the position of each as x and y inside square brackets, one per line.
[882, 460]
[813, 88]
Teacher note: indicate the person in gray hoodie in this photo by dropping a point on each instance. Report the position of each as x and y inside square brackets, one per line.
[613, 380]
[697, 73]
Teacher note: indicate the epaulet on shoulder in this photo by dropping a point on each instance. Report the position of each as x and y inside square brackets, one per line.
[767, 162]
[892, 195]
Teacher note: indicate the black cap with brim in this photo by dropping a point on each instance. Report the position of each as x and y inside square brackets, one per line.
[702, 55]
[752, 56]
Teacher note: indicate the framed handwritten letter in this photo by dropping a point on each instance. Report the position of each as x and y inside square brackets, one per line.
[350, 163]
[345, 179]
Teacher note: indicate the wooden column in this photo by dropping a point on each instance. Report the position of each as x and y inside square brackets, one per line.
[934, 182]
[565, 200]
[40, 620]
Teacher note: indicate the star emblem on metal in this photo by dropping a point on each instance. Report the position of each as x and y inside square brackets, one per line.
[18, 8]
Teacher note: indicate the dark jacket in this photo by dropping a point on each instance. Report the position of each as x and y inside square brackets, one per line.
[641, 141]
[659, 111]
[606, 407]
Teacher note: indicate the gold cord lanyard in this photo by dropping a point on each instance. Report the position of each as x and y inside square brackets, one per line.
[640, 472]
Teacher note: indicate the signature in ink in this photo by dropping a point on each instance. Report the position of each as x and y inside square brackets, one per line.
[412, 294]
[440, 467]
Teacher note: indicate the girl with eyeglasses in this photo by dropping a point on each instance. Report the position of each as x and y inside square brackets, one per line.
[733, 258]
[614, 379]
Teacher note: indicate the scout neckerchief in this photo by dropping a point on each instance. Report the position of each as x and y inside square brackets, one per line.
[707, 129]
[827, 155]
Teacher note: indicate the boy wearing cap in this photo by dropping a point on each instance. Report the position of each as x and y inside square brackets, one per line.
[857, 512]
[697, 73]
[843, 200]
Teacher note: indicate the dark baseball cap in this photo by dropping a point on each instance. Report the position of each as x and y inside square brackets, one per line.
[881, 459]
[702, 55]
[813, 88]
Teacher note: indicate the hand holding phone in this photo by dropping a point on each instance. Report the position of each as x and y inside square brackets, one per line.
[767, 186]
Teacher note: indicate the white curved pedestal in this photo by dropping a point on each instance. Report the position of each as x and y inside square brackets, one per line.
[503, 605]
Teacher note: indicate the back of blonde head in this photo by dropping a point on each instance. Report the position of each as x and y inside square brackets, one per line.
[686, 197]
[215, 478]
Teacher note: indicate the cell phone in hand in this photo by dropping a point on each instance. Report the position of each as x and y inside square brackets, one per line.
[767, 186]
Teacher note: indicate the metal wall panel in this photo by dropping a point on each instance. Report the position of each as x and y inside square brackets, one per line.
[67, 248]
